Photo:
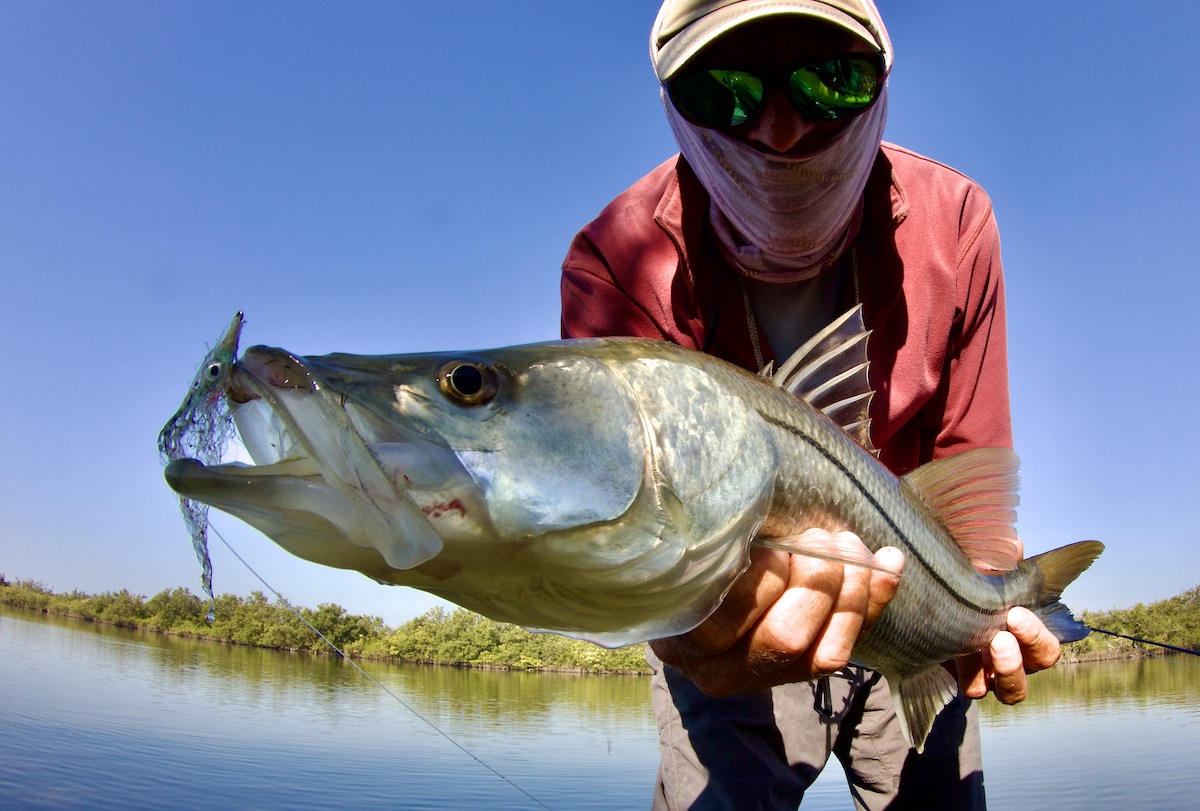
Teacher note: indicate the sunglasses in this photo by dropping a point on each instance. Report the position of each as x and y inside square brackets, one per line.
[824, 90]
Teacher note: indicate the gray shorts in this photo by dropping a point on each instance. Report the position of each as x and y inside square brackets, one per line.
[762, 750]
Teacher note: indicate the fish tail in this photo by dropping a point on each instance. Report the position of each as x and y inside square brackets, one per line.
[1058, 568]
[920, 698]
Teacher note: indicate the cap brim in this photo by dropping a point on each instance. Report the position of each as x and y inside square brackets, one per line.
[687, 43]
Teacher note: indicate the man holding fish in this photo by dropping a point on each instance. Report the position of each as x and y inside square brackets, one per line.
[784, 210]
[752, 526]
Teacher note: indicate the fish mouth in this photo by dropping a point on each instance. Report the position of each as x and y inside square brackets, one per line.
[326, 483]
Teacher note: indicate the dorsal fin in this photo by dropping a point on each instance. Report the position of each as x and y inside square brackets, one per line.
[829, 372]
[974, 493]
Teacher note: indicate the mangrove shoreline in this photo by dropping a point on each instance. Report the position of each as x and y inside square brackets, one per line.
[457, 638]
[461, 638]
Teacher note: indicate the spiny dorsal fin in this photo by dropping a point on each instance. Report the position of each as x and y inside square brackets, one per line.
[975, 495]
[829, 372]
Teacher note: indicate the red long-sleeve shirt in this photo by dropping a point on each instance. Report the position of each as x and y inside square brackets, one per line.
[930, 282]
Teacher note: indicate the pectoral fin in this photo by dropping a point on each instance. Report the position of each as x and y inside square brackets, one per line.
[839, 547]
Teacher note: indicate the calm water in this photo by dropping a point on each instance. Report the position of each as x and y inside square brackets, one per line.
[94, 717]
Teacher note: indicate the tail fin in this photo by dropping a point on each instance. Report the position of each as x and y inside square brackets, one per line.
[1058, 568]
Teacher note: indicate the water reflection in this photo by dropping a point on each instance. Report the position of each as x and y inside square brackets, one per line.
[1149, 683]
[1119, 734]
[102, 717]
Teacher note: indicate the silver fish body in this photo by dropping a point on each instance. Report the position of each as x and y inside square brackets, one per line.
[610, 489]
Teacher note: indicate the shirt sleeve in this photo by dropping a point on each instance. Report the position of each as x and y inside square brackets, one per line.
[594, 303]
[975, 409]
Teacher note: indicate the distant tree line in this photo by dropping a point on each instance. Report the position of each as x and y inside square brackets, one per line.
[1175, 621]
[463, 638]
[457, 637]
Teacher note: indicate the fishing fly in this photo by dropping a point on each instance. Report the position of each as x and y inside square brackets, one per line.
[201, 429]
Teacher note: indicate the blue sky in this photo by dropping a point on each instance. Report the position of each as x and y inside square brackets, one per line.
[400, 177]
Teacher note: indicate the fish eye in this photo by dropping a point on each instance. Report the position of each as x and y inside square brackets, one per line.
[214, 370]
[468, 383]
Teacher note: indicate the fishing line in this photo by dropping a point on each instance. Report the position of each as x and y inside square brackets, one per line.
[371, 678]
[202, 429]
[1144, 641]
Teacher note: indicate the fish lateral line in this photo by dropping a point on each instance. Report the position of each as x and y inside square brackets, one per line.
[910, 549]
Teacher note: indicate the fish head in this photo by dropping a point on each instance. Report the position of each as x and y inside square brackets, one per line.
[603, 488]
[380, 463]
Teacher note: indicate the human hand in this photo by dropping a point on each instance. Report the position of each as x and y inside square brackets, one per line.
[1026, 647]
[787, 618]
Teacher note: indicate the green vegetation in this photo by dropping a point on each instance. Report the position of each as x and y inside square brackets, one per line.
[1175, 621]
[463, 638]
[457, 637]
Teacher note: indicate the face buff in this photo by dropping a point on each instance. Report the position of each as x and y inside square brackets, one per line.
[783, 219]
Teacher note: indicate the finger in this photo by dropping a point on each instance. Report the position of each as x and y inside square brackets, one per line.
[719, 675]
[773, 651]
[835, 642]
[1039, 648]
[756, 590]
[883, 586]
[842, 614]
[972, 680]
[790, 626]
[1008, 668]
[773, 628]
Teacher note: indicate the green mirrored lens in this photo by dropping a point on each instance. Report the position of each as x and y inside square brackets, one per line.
[717, 98]
[834, 88]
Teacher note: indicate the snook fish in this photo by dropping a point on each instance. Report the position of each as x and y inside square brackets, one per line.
[610, 489]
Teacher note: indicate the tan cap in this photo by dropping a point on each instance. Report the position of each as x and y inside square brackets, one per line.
[683, 27]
